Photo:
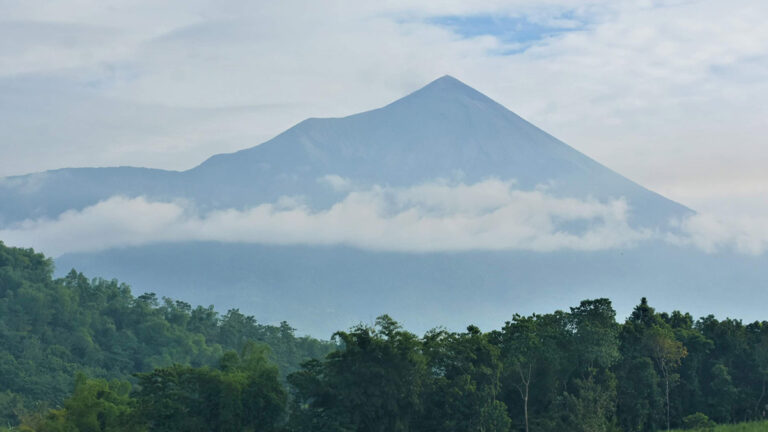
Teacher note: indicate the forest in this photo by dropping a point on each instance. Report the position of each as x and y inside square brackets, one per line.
[79, 354]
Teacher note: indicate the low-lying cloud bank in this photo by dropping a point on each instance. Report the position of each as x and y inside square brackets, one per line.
[490, 215]
[746, 235]
[433, 217]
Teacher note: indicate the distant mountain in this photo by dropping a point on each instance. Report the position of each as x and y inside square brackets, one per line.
[445, 131]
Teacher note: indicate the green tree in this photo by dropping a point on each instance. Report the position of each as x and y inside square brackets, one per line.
[639, 399]
[759, 351]
[688, 396]
[595, 334]
[723, 392]
[591, 407]
[244, 394]
[96, 405]
[373, 383]
[590, 398]
[667, 353]
[698, 421]
[464, 382]
[532, 352]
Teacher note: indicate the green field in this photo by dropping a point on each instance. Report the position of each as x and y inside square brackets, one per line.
[739, 427]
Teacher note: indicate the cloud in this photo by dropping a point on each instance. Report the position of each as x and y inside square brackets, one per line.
[439, 216]
[490, 215]
[665, 92]
[746, 235]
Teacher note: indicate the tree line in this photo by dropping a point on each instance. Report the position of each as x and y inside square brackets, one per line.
[575, 370]
[51, 329]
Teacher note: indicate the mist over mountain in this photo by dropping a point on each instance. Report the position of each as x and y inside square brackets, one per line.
[443, 206]
[320, 289]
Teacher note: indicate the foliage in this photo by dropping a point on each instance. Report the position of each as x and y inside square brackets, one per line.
[462, 383]
[698, 421]
[387, 379]
[576, 370]
[372, 384]
[757, 426]
[243, 394]
[50, 329]
[592, 405]
[96, 405]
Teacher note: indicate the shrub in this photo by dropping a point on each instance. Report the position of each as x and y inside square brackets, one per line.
[698, 421]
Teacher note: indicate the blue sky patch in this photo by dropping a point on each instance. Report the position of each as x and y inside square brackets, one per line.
[508, 29]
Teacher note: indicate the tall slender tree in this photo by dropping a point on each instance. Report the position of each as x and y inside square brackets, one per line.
[667, 352]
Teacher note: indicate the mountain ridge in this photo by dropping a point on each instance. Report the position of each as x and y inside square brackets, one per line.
[445, 130]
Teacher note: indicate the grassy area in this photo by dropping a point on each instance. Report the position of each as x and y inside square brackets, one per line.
[739, 427]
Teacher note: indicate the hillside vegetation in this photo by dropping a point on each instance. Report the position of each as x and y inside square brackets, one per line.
[51, 329]
[86, 355]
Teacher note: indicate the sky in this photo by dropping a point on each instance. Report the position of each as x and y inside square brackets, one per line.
[668, 93]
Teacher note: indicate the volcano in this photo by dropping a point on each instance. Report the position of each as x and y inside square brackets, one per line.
[444, 133]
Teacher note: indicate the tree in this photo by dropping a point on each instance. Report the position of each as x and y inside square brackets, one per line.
[11, 406]
[760, 351]
[591, 407]
[374, 383]
[594, 349]
[262, 396]
[595, 334]
[523, 350]
[96, 405]
[244, 394]
[640, 403]
[463, 385]
[667, 352]
[723, 393]
[688, 395]
[698, 421]
[529, 345]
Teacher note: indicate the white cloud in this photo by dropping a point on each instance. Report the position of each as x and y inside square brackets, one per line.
[490, 215]
[430, 217]
[746, 235]
[115, 222]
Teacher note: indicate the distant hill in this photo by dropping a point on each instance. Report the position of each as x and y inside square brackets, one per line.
[50, 329]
